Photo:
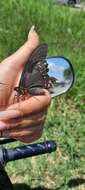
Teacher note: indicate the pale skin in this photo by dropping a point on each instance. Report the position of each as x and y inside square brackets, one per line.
[23, 120]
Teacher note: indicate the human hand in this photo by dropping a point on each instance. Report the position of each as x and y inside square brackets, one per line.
[11, 69]
[23, 120]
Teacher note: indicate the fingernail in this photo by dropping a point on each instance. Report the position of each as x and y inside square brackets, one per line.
[9, 114]
[32, 29]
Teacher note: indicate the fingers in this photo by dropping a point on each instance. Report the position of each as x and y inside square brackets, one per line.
[20, 57]
[8, 115]
[31, 138]
[20, 123]
[24, 121]
[33, 38]
[25, 134]
[32, 29]
[33, 105]
[26, 130]
[12, 66]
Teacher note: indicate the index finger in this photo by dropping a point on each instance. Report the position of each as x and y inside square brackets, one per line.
[32, 105]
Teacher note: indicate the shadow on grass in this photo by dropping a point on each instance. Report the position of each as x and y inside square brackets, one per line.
[27, 187]
[75, 182]
[72, 183]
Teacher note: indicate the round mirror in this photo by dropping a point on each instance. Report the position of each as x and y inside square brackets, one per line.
[61, 74]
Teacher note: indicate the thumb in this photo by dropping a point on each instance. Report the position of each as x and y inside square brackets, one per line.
[18, 59]
[13, 64]
[34, 104]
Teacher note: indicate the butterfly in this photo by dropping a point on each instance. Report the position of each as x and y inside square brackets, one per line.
[35, 76]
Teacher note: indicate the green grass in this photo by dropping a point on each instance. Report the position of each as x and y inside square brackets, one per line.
[63, 28]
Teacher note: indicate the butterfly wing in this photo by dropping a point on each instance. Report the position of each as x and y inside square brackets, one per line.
[38, 55]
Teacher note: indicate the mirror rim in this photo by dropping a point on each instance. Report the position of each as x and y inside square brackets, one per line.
[71, 66]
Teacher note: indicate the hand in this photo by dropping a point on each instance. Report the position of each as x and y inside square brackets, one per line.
[22, 120]
[11, 68]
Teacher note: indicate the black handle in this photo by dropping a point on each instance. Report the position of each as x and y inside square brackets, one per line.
[7, 155]
[5, 141]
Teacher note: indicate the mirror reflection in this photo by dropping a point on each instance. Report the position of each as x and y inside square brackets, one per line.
[61, 74]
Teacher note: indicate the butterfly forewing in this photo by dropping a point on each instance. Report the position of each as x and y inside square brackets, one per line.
[38, 55]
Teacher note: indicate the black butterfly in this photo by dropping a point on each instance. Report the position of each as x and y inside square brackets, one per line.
[35, 73]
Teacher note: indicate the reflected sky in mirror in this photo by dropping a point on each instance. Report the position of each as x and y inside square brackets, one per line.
[60, 68]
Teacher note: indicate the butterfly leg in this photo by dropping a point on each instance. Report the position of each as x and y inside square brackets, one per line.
[16, 98]
[17, 94]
